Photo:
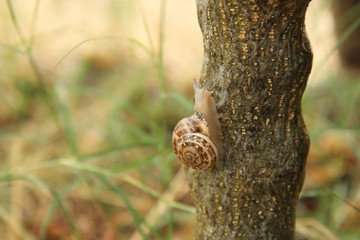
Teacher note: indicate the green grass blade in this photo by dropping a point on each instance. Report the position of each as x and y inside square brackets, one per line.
[52, 209]
[116, 149]
[78, 45]
[170, 225]
[12, 48]
[133, 165]
[109, 173]
[156, 194]
[65, 114]
[15, 22]
[353, 26]
[58, 200]
[43, 185]
[136, 216]
[181, 100]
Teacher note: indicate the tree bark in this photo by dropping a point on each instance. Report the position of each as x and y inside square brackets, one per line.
[257, 58]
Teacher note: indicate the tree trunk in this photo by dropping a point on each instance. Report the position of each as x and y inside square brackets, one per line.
[257, 59]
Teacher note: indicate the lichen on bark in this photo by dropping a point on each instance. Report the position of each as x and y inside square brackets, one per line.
[257, 58]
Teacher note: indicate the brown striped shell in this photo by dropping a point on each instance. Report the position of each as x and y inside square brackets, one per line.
[192, 143]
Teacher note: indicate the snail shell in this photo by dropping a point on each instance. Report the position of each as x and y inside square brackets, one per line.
[192, 143]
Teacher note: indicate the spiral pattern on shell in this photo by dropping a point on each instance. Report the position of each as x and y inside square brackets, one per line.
[192, 143]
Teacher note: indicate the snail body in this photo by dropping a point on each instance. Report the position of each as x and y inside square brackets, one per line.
[197, 138]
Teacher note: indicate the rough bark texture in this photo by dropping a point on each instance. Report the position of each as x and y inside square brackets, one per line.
[258, 58]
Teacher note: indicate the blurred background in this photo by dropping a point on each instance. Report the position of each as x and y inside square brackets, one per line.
[91, 90]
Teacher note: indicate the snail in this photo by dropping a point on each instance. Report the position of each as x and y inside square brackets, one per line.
[197, 138]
